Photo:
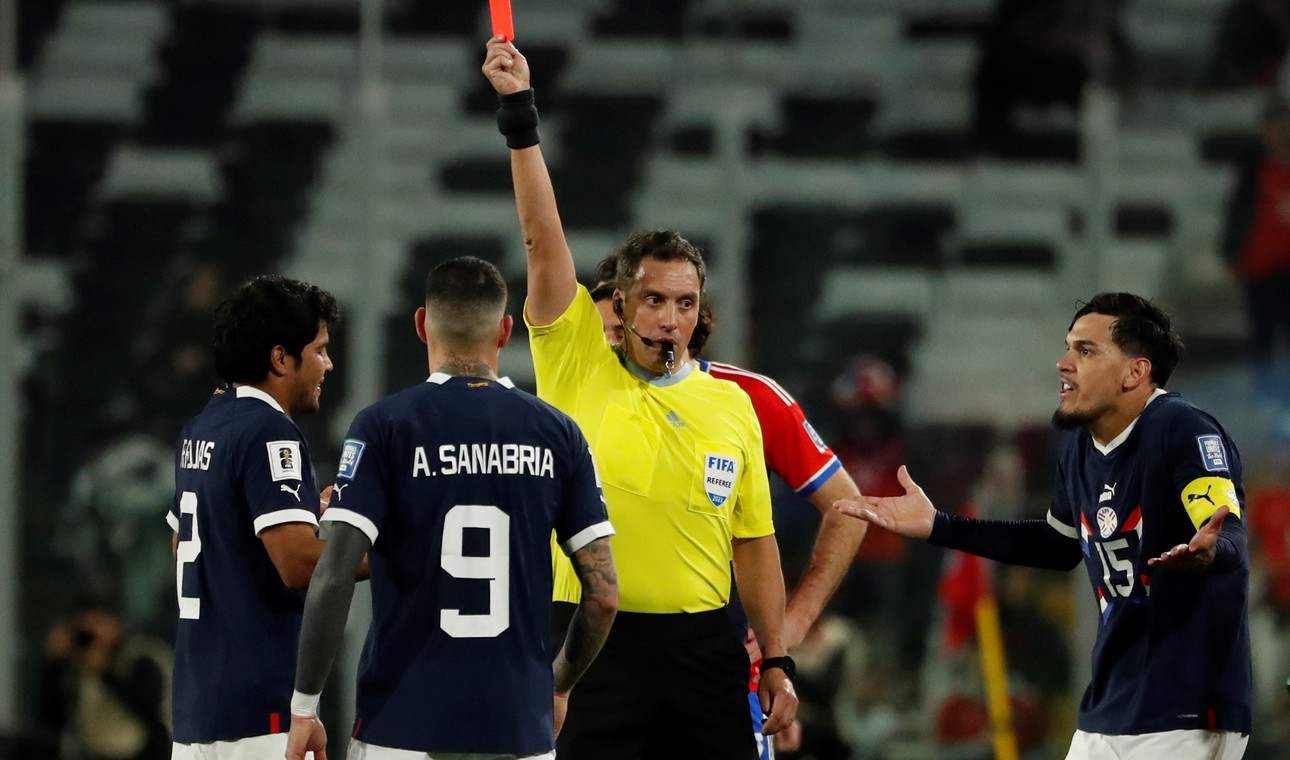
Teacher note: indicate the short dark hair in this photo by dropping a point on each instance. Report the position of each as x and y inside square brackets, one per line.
[267, 311]
[1141, 329]
[618, 270]
[463, 296]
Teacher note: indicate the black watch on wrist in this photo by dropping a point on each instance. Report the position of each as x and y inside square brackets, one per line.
[784, 663]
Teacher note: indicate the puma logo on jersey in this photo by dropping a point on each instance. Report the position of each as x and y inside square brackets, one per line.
[293, 491]
[1197, 496]
[335, 490]
[1108, 493]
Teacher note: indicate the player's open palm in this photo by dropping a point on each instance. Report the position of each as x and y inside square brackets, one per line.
[911, 515]
[506, 69]
[1197, 554]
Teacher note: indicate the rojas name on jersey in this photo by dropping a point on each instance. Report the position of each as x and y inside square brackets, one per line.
[196, 455]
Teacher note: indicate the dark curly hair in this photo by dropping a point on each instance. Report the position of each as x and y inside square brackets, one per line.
[263, 313]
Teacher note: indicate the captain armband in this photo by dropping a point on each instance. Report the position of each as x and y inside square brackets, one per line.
[1203, 496]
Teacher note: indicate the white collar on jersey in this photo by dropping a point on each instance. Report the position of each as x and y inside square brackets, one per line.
[439, 378]
[246, 391]
[1119, 439]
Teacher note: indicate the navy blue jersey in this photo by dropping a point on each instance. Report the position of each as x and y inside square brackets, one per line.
[459, 482]
[241, 467]
[1173, 648]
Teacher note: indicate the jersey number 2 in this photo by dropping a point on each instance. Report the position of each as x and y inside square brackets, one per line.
[190, 607]
[495, 567]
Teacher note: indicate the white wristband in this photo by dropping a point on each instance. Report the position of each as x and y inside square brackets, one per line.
[304, 705]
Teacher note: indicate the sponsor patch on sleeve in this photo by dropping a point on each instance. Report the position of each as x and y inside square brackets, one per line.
[284, 460]
[1212, 452]
[350, 455]
[1203, 496]
[815, 437]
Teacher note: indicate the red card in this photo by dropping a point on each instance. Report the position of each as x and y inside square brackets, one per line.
[503, 24]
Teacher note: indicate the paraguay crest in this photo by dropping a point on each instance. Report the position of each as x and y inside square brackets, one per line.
[719, 475]
[1107, 521]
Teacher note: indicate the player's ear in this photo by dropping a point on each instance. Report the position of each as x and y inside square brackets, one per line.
[278, 360]
[1137, 373]
[420, 319]
[504, 329]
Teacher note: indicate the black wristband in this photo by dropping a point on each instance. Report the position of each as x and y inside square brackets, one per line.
[784, 663]
[517, 119]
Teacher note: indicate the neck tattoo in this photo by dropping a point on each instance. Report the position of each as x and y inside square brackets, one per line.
[461, 367]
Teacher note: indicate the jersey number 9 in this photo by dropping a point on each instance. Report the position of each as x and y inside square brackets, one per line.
[495, 567]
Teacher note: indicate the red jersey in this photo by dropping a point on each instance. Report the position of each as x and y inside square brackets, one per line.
[1267, 248]
[1269, 525]
[794, 451]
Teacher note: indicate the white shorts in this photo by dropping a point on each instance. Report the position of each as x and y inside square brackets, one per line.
[267, 747]
[1175, 745]
[363, 751]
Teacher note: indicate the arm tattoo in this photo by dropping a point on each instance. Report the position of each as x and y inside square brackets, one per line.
[594, 564]
[591, 621]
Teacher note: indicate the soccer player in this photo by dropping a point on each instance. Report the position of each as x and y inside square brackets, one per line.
[680, 455]
[456, 485]
[794, 452]
[1148, 493]
[245, 518]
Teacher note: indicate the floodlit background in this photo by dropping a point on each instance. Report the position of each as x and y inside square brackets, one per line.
[903, 202]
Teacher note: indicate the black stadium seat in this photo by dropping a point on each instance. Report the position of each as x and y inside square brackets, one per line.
[1008, 254]
[202, 64]
[643, 18]
[604, 140]
[816, 127]
[64, 162]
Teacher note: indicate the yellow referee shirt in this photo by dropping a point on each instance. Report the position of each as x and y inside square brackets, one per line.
[680, 459]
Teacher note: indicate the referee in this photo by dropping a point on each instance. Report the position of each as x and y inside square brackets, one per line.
[680, 458]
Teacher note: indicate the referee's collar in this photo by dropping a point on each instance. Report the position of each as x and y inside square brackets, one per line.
[658, 381]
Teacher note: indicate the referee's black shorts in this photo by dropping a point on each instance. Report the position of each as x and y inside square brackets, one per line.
[673, 687]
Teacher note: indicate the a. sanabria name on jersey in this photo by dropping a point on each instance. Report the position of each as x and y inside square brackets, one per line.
[486, 459]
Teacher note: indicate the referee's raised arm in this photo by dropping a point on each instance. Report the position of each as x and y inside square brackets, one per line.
[552, 279]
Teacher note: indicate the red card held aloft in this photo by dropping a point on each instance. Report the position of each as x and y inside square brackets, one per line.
[503, 24]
